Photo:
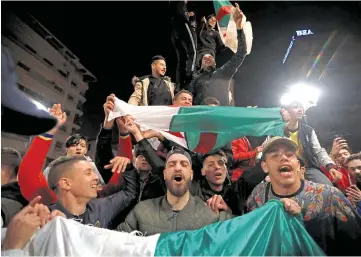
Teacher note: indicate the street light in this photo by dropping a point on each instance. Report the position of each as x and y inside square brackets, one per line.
[305, 94]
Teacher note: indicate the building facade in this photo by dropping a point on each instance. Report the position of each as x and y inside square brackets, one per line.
[48, 73]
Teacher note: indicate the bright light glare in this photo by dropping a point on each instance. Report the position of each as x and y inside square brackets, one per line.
[40, 106]
[305, 94]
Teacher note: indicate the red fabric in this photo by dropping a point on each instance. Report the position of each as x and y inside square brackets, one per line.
[242, 150]
[342, 184]
[125, 147]
[236, 174]
[31, 179]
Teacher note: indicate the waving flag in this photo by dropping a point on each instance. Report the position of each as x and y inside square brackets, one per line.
[227, 27]
[203, 128]
[267, 231]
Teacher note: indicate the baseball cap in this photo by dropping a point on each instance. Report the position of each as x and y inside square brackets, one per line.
[19, 113]
[277, 140]
[178, 150]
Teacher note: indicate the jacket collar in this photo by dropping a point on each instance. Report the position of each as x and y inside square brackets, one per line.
[168, 209]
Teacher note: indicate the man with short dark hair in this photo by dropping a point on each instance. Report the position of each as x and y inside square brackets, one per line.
[308, 146]
[216, 82]
[183, 98]
[75, 183]
[12, 200]
[329, 216]
[155, 89]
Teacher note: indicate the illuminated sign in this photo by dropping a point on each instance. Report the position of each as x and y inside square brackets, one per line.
[304, 32]
[299, 33]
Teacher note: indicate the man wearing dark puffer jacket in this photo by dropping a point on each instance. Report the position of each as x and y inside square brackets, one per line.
[216, 82]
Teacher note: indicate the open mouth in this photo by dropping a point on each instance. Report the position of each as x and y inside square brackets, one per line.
[178, 178]
[218, 174]
[94, 186]
[285, 171]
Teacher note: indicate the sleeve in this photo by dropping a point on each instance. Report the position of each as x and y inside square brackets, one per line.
[125, 146]
[136, 97]
[111, 206]
[240, 150]
[130, 224]
[152, 157]
[322, 156]
[347, 227]
[9, 208]
[31, 179]
[103, 152]
[254, 201]
[219, 42]
[225, 216]
[191, 88]
[231, 67]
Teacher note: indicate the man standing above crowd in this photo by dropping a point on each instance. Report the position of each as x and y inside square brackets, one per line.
[216, 82]
[154, 89]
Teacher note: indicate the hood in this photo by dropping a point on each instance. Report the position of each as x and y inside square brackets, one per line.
[12, 191]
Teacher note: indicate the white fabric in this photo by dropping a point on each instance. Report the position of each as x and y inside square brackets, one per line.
[149, 117]
[62, 237]
[230, 40]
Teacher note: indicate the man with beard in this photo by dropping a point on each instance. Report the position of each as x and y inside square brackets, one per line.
[329, 217]
[178, 209]
[154, 89]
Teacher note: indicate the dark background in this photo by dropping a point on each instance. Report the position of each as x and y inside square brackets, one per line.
[116, 40]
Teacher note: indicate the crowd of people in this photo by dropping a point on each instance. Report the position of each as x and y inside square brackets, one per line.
[163, 187]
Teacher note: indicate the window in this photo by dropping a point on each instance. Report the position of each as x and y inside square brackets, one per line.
[63, 74]
[21, 65]
[58, 145]
[30, 48]
[48, 62]
[73, 84]
[70, 98]
[59, 89]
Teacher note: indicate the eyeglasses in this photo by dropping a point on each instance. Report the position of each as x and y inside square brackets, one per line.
[278, 154]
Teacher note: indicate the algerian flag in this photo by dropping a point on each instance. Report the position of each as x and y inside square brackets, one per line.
[267, 231]
[203, 128]
[227, 27]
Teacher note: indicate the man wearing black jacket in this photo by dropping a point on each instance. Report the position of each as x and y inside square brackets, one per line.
[216, 82]
[184, 41]
[11, 199]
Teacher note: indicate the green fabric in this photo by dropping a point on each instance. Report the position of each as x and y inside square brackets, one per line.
[218, 5]
[267, 231]
[228, 122]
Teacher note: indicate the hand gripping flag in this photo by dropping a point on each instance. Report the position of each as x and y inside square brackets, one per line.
[227, 27]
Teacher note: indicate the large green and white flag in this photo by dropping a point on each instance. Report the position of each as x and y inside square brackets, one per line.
[204, 128]
[267, 231]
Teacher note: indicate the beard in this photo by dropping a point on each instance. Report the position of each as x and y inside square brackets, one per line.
[178, 190]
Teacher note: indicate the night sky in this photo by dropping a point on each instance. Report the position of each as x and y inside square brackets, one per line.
[116, 40]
